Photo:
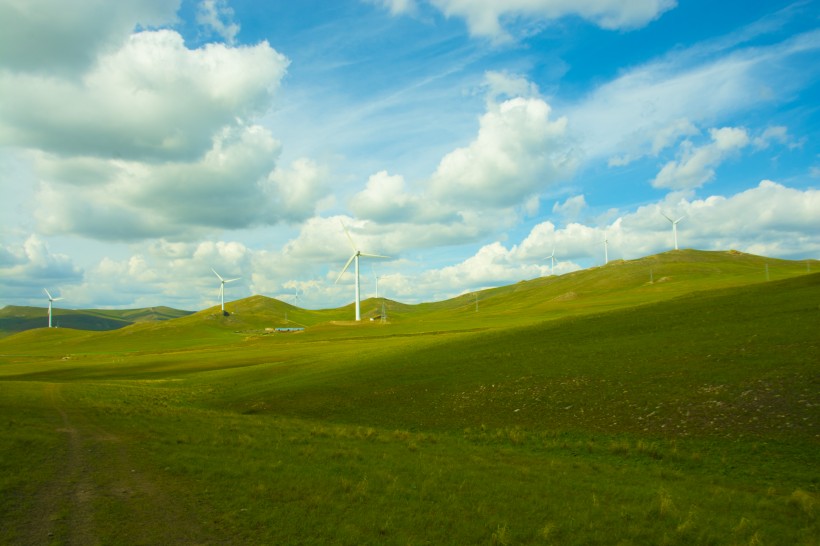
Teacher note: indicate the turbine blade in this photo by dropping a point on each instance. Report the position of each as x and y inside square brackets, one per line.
[48, 294]
[681, 218]
[349, 238]
[231, 280]
[217, 274]
[373, 255]
[56, 299]
[668, 218]
[345, 268]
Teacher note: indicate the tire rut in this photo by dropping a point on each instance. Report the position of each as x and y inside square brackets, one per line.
[100, 495]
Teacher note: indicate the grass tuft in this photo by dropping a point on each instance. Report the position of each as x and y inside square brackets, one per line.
[805, 501]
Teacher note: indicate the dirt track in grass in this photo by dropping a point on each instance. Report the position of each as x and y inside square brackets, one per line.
[102, 493]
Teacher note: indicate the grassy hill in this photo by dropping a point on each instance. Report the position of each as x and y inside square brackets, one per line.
[591, 408]
[14, 318]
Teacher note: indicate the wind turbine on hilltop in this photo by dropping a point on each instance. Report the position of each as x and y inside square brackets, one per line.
[50, 301]
[552, 258]
[355, 259]
[674, 227]
[606, 249]
[222, 283]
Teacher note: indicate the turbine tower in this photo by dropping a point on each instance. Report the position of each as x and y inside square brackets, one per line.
[606, 249]
[674, 227]
[552, 258]
[355, 259]
[50, 301]
[222, 283]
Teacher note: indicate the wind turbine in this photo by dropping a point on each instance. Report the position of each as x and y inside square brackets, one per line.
[552, 257]
[606, 249]
[377, 277]
[674, 227]
[222, 283]
[355, 258]
[50, 301]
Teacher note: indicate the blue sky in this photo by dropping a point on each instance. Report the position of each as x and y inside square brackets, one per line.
[143, 143]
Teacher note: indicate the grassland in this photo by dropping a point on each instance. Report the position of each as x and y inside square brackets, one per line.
[592, 408]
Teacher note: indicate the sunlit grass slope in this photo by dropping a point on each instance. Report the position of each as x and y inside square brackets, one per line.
[709, 363]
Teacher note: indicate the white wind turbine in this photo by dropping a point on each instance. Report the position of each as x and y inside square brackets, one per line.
[50, 301]
[552, 258]
[355, 258]
[222, 283]
[674, 227]
[377, 277]
[606, 249]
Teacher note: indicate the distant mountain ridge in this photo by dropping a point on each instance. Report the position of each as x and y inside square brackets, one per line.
[17, 318]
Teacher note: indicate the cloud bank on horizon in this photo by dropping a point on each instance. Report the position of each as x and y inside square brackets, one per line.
[144, 142]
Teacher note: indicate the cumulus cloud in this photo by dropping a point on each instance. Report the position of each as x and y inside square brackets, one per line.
[696, 165]
[488, 18]
[571, 208]
[28, 267]
[769, 219]
[151, 99]
[66, 37]
[236, 184]
[518, 152]
[385, 199]
[167, 273]
[33, 259]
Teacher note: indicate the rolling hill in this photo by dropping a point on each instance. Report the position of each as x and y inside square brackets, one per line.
[15, 318]
[608, 406]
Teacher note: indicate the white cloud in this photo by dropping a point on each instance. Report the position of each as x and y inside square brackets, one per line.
[28, 267]
[66, 37]
[506, 85]
[696, 166]
[236, 184]
[384, 199]
[517, 153]
[488, 17]
[571, 208]
[649, 107]
[217, 15]
[151, 99]
[768, 219]
[777, 133]
[34, 259]
[296, 191]
[397, 7]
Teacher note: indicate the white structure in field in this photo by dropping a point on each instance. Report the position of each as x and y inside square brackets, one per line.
[222, 283]
[552, 258]
[50, 301]
[674, 227]
[355, 260]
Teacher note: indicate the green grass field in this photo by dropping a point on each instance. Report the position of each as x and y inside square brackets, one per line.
[591, 408]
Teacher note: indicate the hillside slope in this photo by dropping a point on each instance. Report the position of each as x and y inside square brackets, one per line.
[14, 318]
